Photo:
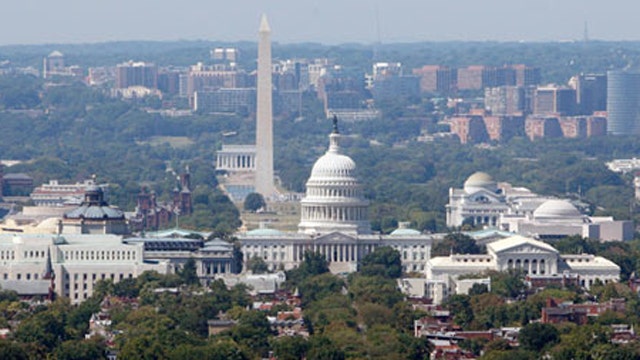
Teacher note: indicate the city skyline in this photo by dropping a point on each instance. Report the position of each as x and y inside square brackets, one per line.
[330, 22]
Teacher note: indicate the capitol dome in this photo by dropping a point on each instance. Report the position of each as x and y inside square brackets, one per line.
[333, 165]
[334, 200]
[556, 209]
[480, 181]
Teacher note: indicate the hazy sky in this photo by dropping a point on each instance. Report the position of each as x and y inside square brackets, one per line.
[325, 21]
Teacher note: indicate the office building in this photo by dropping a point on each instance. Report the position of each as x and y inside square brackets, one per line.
[591, 93]
[623, 103]
[554, 100]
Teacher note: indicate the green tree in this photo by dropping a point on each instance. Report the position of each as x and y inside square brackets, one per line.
[290, 347]
[322, 348]
[538, 337]
[460, 306]
[80, 350]
[383, 261]
[257, 265]
[254, 202]
[12, 350]
[458, 243]
[374, 289]
[253, 331]
[188, 274]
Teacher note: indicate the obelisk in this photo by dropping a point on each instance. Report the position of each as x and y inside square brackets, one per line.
[264, 119]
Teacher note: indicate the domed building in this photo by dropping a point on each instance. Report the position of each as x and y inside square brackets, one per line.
[558, 210]
[480, 181]
[479, 202]
[334, 199]
[334, 222]
[557, 218]
[95, 216]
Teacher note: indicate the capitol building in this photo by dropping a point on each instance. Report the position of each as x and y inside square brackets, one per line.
[334, 222]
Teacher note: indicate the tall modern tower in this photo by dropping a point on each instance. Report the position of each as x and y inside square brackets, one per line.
[623, 103]
[264, 119]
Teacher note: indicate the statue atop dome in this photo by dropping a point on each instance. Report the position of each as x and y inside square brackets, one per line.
[335, 124]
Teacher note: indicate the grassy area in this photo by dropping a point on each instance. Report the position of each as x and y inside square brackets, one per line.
[176, 142]
[283, 216]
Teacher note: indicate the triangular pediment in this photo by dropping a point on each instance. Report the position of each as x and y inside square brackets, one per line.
[521, 245]
[527, 249]
[335, 237]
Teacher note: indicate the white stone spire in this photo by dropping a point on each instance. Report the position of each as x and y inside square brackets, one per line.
[264, 119]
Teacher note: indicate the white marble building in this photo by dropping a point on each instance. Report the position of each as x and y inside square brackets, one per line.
[533, 257]
[484, 202]
[559, 218]
[334, 223]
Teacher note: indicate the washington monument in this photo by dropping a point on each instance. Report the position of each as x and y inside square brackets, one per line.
[264, 119]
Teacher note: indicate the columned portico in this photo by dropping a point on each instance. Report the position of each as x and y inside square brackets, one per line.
[236, 158]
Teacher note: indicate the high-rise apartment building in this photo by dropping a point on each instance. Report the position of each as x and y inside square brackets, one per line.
[224, 55]
[526, 75]
[504, 100]
[437, 78]
[623, 103]
[136, 74]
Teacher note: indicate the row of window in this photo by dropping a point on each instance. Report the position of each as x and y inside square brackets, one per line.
[19, 276]
[34, 254]
[405, 255]
[413, 267]
[265, 255]
[7, 255]
[94, 276]
[334, 192]
[99, 255]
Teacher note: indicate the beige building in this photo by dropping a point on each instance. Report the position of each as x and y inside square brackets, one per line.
[71, 263]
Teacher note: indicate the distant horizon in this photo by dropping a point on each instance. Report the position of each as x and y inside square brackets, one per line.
[280, 43]
[327, 22]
